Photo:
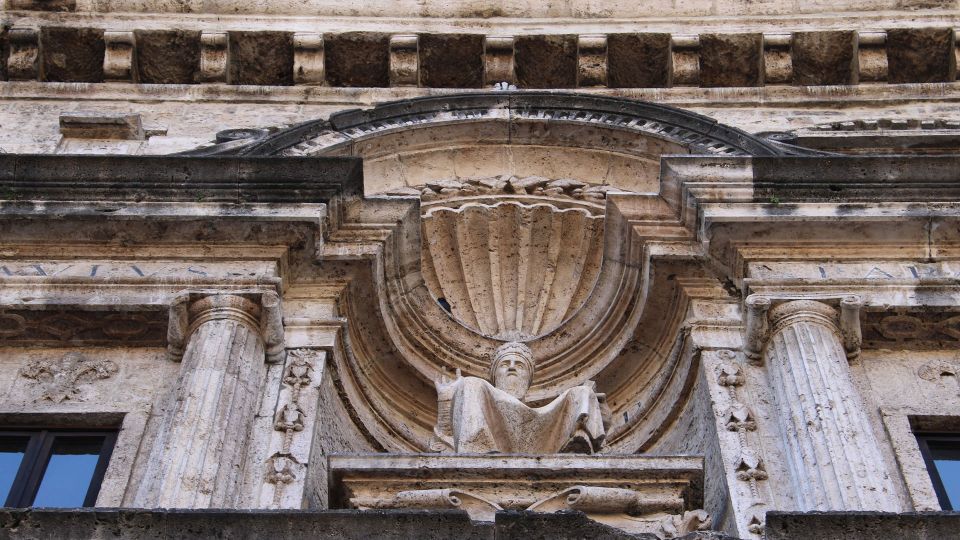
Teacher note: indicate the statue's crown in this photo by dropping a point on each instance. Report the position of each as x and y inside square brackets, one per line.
[512, 348]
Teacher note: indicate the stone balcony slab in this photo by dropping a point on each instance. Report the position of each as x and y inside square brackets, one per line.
[632, 492]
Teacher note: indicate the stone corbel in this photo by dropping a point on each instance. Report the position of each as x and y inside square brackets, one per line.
[308, 58]
[118, 56]
[498, 60]
[686, 60]
[269, 319]
[592, 60]
[757, 325]
[404, 60]
[214, 51]
[872, 56]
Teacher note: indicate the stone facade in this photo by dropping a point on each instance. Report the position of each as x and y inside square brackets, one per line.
[468, 268]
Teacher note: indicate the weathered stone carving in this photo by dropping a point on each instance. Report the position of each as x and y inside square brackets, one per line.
[477, 417]
[930, 330]
[615, 490]
[758, 328]
[808, 348]
[290, 419]
[511, 270]
[282, 469]
[938, 370]
[477, 507]
[64, 379]
[201, 442]
[751, 469]
[747, 465]
[688, 522]
[75, 327]
[508, 185]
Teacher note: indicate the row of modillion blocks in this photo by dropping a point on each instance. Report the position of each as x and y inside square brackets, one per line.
[368, 59]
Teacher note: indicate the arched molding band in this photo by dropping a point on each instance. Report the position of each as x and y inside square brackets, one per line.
[696, 133]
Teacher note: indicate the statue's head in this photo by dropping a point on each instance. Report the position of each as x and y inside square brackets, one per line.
[512, 368]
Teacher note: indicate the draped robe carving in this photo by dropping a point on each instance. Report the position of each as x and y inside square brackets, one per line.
[475, 416]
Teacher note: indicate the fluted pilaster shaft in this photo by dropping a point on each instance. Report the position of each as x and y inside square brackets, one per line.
[198, 455]
[832, 452]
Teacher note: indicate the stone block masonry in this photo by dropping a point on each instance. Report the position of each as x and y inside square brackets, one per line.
[360, 59]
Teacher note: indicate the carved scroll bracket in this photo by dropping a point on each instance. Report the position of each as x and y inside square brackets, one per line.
[757, 325]
[258, 308]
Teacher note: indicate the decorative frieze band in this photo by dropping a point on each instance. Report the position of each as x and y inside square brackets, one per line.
[366, 59]
[72, 326]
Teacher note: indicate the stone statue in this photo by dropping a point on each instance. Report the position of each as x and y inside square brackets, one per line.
[477, 417]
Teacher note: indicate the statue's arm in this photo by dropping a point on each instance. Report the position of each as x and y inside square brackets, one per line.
[443, 431]
[447, 386]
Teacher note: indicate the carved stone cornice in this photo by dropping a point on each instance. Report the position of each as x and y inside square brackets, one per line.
[177, 179]
[213, 51]
[260, 311]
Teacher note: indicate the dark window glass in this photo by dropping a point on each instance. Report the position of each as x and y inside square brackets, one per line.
[53, 468]
[942, 454]
[12, 450]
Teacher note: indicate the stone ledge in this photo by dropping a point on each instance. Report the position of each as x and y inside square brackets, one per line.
[632, 492]
[321, 525]
[178, 178]
[861, 525]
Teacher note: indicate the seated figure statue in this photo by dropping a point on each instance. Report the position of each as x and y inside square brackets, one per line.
[477, 417]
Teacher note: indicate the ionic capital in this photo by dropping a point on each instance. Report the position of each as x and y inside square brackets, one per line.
[765, 314]
[259, 310]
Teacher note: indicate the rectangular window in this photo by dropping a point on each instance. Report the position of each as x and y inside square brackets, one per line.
[941, 452]
[53, 468]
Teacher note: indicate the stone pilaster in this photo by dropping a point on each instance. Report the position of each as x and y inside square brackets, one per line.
[199, 452]
[833, 455]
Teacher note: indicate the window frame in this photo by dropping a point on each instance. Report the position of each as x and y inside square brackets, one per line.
[922, 440]
[36, 458]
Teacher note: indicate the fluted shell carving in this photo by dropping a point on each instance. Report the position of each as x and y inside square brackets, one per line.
[511, 270]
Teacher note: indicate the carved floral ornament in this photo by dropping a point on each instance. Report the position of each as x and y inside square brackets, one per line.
[67, 379]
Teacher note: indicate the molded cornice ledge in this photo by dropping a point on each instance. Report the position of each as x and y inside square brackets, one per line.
[808, 208]
[238, 180]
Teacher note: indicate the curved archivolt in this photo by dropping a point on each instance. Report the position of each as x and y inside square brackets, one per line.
[511, 271]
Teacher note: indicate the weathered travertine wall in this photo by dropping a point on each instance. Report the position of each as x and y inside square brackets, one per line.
[742, 325]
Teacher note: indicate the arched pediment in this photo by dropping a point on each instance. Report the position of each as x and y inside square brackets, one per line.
[600, 140]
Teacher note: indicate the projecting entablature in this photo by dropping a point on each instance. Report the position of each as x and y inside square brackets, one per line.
[534, 217]
[459, 262]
